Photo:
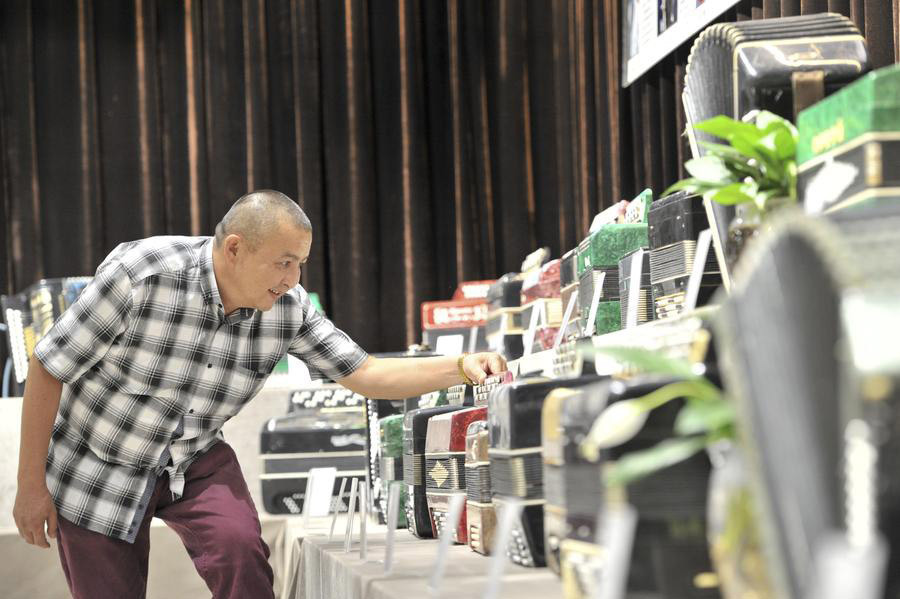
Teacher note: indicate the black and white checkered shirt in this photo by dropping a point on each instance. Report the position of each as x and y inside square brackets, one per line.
[153, 368]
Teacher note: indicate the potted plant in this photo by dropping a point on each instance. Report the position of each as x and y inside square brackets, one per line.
[756, 171]
[706, 421]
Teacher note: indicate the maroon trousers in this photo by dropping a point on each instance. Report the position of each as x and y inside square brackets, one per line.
[215, 519]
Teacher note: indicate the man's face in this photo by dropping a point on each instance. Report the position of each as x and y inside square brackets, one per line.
[265, 274]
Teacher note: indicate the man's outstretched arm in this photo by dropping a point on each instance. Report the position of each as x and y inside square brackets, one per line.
[397, 378]
[34, 507]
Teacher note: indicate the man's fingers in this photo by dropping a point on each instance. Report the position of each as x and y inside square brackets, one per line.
[476, 372]
[496, 363]
[51, 524]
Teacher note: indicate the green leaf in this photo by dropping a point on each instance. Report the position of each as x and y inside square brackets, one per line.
[769, 121]
[728, 128]
[704, 416]
[723, 151]
[637, 465]
[780, 144]
[709, 169]
[736, 193]
[649, 361]
[691, 185]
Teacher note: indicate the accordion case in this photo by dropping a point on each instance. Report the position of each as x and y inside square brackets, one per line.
[734, 68]
[481, 520]
[415, 429]
[516, 467]
[291, 445]
[445, 471]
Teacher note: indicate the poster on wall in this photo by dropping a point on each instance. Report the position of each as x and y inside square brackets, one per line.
[654, 28]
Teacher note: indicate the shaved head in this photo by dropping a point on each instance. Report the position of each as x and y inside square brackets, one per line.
[260, 213]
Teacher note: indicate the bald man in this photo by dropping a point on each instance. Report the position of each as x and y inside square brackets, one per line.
[127, 394]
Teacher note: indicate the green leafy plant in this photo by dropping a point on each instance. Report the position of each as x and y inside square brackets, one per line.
[706, 417]
[759, 162]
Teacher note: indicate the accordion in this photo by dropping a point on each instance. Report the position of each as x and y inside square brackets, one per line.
[734, 68]
[480, 517]
[391, 465]
[415, 428]
[504, 320]
[516, 467]
[445, 471]
[795, 397]
[675, 224]
[483, 391]
[30, 315]
[291, 445]
[324, 399]
[670, 549]
[598, 257]
[848, 147]
[376, 409]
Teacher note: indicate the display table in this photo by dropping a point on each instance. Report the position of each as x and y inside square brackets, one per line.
[322, 569]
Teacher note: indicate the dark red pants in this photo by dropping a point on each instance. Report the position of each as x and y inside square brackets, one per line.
[215, 519]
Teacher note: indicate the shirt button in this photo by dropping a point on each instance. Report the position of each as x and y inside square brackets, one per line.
[209, 365]
[191, 411]
[140, 506]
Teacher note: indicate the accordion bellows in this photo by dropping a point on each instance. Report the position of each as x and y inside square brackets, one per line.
[806, 281]
[786, 300]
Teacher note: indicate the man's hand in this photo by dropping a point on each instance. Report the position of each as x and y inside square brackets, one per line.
[32, 511]
[479, 366]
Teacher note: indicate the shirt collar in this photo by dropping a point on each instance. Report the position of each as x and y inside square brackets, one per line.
[211, 288]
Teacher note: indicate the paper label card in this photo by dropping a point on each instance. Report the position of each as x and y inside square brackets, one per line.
[595, 303]
[450, 345]
[528, 340]
[319, 487]
[570, 307]
[693, 286]
[634, 289]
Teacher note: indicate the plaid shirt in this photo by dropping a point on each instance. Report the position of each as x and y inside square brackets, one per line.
[153, 368]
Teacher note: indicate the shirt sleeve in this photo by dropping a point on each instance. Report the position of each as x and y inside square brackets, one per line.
[325, 349]
[86, 331]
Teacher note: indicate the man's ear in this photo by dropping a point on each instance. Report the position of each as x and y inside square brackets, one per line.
[233, 245]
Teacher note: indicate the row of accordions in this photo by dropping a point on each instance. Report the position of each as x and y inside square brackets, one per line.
[30, 314]
[662, 235]
[519, 441]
